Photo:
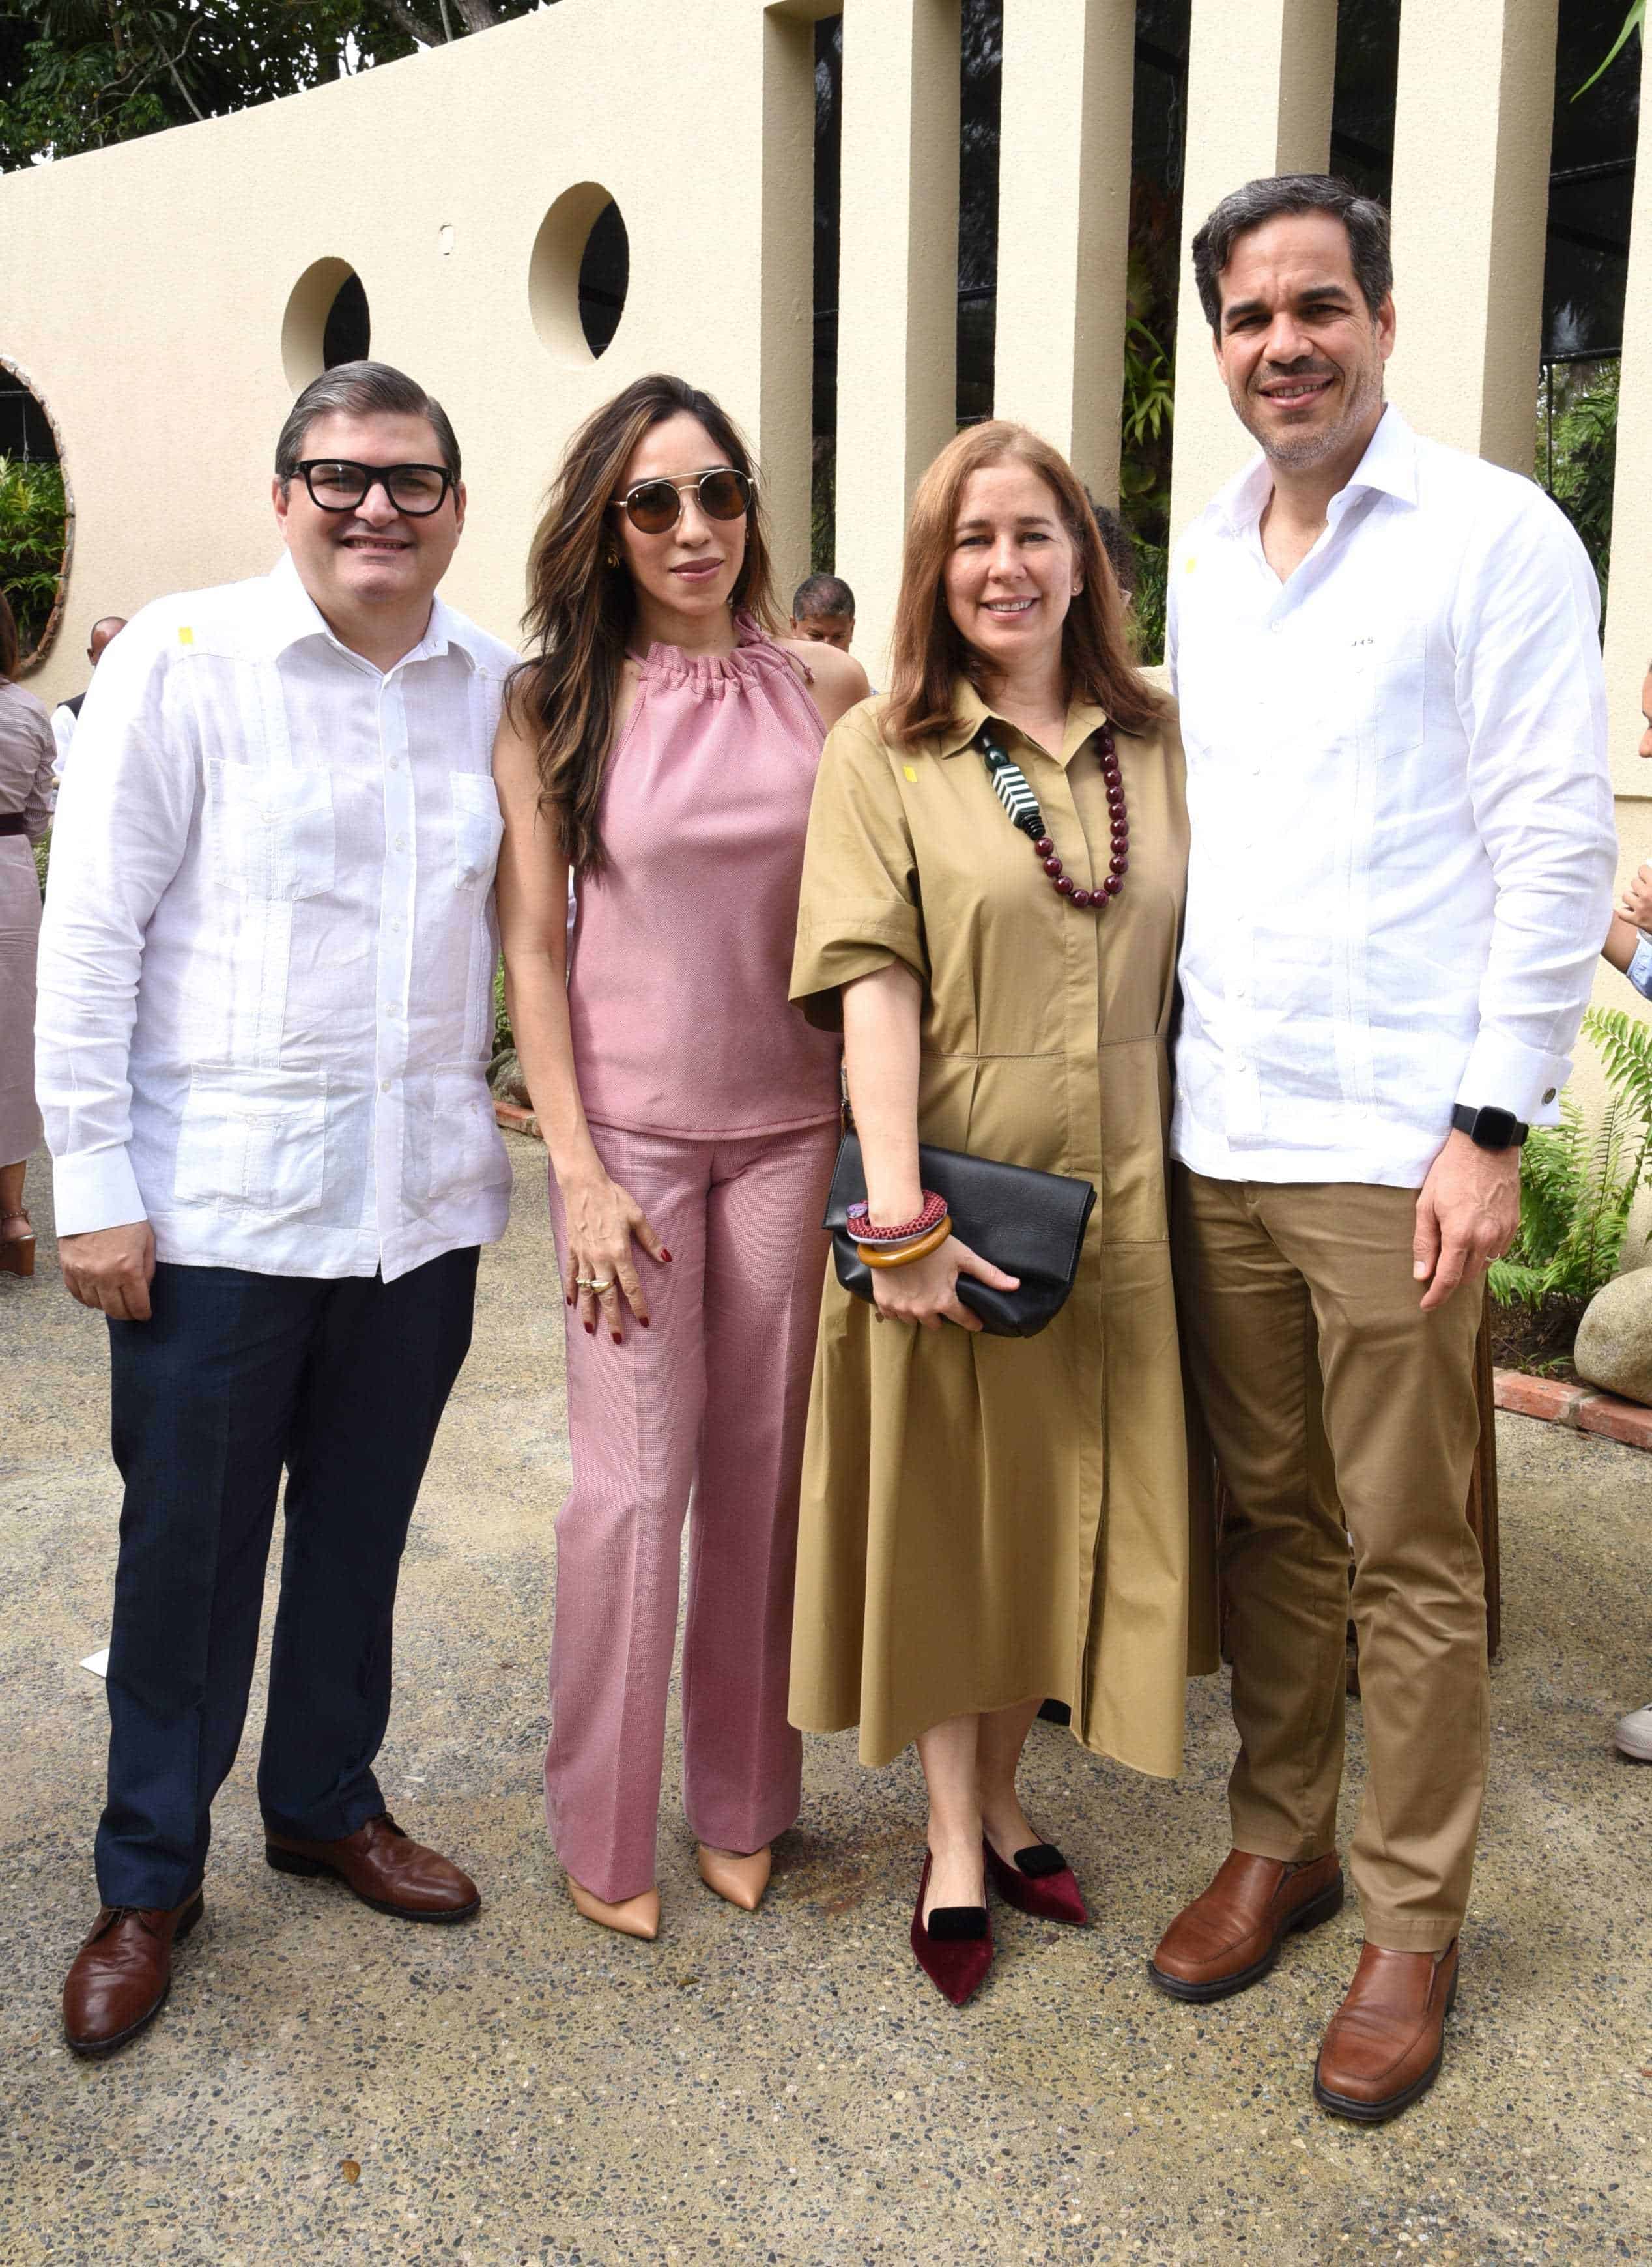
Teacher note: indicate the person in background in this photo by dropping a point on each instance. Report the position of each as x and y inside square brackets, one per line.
[663, 743]
[265, 1014]
[988, 1520]
[1629, 947]
[1385, 656]
[66, 716]
[26, 804]
[823, 612]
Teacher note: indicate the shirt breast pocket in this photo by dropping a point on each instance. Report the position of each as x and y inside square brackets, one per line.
[269, 831]
[478, 829]
[1390, 675]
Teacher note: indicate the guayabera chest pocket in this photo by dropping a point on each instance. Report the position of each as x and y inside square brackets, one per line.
[268, 830]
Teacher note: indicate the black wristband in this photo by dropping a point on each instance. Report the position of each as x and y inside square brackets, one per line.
[1488, 1129]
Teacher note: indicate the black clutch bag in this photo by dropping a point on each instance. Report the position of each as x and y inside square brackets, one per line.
[1029, 1224]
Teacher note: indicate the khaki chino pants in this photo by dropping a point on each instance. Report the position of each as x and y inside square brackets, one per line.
[1330, 1397]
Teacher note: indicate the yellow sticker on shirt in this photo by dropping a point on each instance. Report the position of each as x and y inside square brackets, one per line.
[1188, 565]
[186, 636]
[911, 774]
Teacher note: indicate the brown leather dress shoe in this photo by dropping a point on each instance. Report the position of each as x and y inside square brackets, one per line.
[123, 1973]
[1387, 2040]
[1230, 1937]
[385, 1868]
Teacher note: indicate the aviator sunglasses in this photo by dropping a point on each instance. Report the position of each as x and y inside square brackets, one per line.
[654, 506]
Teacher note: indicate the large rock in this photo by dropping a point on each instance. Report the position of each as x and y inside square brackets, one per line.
[1614, 1339]
[504, 1077]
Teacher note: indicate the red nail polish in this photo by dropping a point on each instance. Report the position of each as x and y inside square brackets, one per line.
[618, 1341]
[665, 1255]
[644, 1320]
[590, 1330]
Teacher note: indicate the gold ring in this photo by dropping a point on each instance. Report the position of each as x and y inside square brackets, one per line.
[605, 1283]
[584, 1281]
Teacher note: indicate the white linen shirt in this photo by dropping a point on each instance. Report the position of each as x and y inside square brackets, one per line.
[62, 734]
[1402, 815]
[266, 956]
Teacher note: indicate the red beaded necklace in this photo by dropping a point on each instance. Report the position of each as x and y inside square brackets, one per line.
[1010, 784]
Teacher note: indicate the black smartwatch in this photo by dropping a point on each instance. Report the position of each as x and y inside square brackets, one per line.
[1488, 1129]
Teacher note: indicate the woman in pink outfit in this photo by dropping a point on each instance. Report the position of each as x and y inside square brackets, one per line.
[661, 745]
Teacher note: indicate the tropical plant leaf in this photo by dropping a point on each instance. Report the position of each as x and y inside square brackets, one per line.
[1634, 21]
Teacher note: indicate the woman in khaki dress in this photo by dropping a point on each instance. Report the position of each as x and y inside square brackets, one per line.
[987, 1521]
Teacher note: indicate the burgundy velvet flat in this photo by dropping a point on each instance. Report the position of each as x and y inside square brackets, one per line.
[955, 1949]
[1040, 1882]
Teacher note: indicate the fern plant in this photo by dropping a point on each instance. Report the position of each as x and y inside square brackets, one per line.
[1576, 1187]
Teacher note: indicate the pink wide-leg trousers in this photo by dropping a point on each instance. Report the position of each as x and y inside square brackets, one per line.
[712, 1397]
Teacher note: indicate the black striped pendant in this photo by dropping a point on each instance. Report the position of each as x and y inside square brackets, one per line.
[1021, 806]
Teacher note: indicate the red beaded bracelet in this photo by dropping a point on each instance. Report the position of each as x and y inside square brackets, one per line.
[862, 1228]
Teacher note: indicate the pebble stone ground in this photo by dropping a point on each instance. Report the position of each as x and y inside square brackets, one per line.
[327, 2086]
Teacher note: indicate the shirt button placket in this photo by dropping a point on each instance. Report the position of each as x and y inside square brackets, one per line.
[395, 950]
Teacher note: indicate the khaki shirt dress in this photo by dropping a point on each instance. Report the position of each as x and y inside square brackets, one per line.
[986, 1520]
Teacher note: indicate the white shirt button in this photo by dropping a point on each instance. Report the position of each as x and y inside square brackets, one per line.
[384, 1086]
[401, 842]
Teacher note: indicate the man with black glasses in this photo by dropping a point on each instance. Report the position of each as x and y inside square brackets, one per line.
[266, 1005]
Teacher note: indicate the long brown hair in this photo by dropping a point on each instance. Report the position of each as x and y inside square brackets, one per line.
[9, 648]
[929, 654]
[581, 604]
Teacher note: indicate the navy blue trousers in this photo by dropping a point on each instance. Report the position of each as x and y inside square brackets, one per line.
[234, 1375]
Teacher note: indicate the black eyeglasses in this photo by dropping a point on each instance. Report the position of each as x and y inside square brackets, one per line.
[336, 484]
[652, 506]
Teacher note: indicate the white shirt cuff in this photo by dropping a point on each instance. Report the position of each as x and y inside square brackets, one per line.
[1501, 1075]
[1640, 969]
[95, 1188]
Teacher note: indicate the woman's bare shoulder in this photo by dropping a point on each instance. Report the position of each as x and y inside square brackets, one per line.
[838, 679]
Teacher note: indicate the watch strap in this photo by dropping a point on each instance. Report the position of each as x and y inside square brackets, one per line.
[1488, 1129]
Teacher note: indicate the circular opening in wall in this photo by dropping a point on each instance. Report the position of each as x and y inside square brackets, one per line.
[37, 516]
[326, 322]
[579, 273]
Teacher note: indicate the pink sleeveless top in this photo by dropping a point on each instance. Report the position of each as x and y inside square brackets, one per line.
[682, 951]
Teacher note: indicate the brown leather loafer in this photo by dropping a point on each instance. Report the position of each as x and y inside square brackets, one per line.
[1387, 2040]
[1228, 1937]
[385, 1868]
[123, 1973]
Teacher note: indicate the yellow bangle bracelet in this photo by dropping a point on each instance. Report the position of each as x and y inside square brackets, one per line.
[878, 1255]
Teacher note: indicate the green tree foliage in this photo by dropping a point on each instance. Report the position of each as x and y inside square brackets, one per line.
[1577, 452]
[79, 74]
[33, 517]
[1576, 1187]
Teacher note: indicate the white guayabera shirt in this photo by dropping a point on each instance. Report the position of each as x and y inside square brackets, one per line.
[1402, 832]
[266, 967]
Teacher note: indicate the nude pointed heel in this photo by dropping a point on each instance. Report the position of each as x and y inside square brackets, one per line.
[741, 1879]
[17, 1252]
[637, 1916]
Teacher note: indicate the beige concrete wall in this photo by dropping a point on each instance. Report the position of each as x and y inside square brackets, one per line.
[144, 288]
[897, 287]
[1063, 227]
[1259, 82]
[1472, 132]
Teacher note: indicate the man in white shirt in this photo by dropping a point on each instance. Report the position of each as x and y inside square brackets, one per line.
[1386, 659]
[66, 716]
[265, 1007]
